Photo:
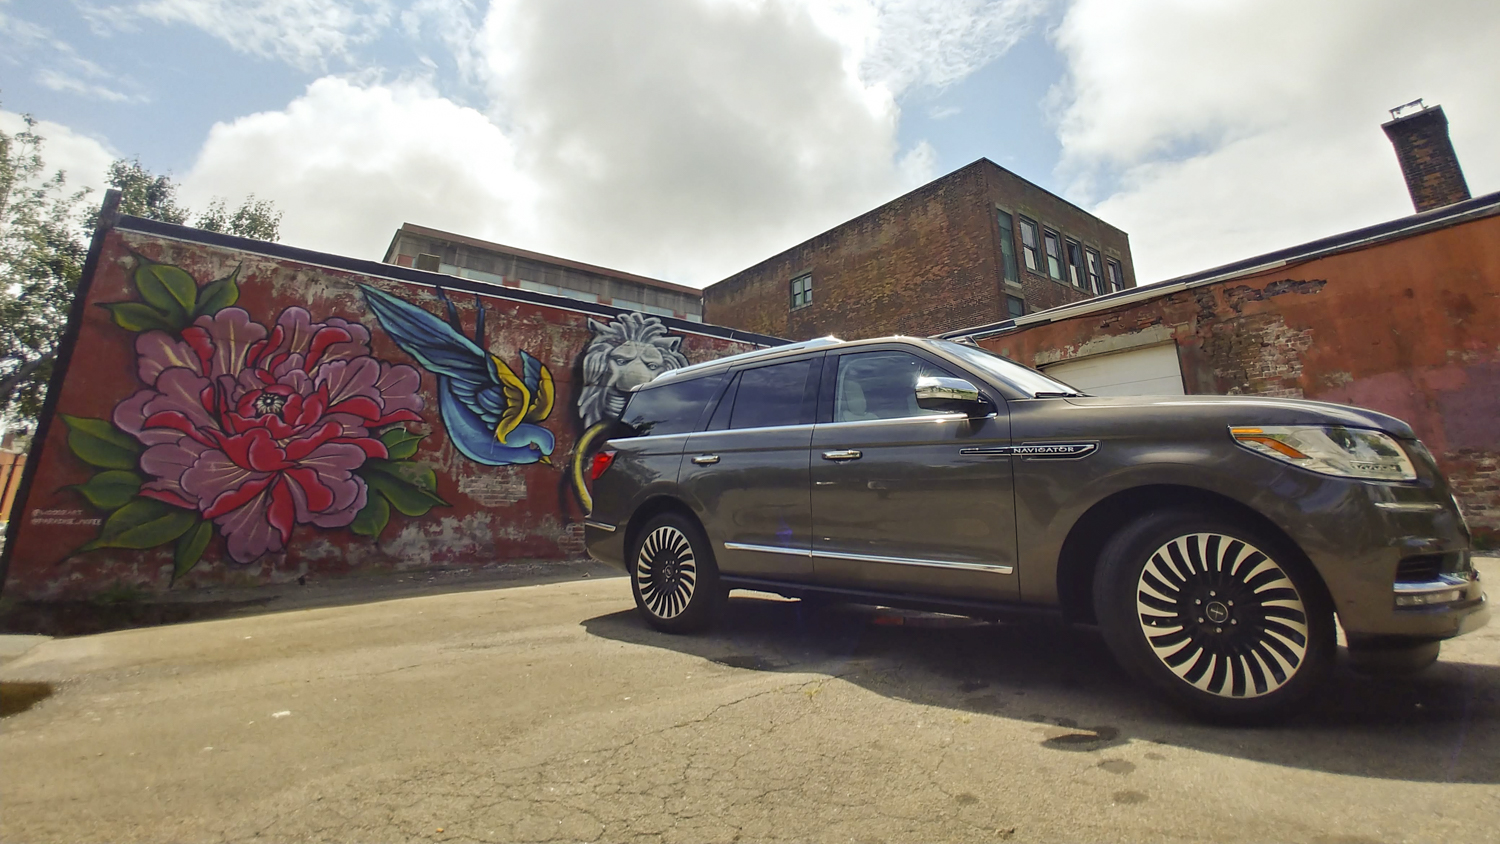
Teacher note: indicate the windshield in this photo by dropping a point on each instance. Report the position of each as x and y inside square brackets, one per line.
[1023, 378]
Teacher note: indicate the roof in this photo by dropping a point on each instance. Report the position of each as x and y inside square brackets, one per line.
[438, 234]
[427, 279]
[1403, 227]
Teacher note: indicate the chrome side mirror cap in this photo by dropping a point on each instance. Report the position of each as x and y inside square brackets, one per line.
[949, 395]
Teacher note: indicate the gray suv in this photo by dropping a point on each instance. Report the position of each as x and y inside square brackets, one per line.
[1213, 539]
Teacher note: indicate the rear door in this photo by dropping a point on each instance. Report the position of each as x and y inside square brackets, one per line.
[748, 472]
[905, 499]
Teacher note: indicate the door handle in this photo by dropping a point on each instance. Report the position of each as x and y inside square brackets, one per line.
[848, 454]
[706, 459]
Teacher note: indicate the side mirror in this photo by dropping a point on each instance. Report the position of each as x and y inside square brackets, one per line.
[950, 395]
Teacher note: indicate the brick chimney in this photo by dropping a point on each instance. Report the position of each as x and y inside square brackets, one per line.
[1420, 134]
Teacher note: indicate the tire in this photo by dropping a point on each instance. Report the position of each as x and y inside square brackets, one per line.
[673, 575]
[1228, 623]
[1393, 660]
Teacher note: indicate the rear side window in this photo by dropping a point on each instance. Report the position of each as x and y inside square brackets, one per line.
[670, 408]
[771, 396]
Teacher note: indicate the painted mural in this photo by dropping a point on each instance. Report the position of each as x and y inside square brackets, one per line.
[237, 417]
[246, 428]
[623, 354]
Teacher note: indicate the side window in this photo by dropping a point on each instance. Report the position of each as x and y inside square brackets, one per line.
[771, 395]
[1030, 243]
[879, 385]
[671, 408]
[1095, 284]
[1053, 244]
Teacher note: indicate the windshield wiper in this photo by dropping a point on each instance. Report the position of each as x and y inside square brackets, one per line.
[1057, 395]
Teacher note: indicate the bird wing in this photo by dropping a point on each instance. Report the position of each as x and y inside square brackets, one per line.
[434, 343]
[538, 380]
[516, 396]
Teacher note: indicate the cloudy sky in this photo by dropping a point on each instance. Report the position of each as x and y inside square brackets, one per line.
[688, 139]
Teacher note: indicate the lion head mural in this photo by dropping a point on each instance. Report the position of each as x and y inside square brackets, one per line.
[631, 350]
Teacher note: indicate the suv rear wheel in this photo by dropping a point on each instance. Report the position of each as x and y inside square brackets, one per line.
[1224, 621]
[673, 575]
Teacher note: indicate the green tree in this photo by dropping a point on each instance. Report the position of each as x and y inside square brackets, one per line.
[257, 219]
[145, 195]
[42, 250]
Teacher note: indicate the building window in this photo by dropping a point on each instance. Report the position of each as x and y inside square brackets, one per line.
[1096, 281]
[1075, 263]
[802, 291]
[1008, 249]
[1015, 305]
[1116, 276]
[1030, 242]
[1053, 245]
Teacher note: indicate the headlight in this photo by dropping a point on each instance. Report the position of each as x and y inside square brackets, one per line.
[1331, 450]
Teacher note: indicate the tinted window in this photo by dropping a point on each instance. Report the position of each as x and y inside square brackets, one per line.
[879, 385]
[771, 395]
[671, 408]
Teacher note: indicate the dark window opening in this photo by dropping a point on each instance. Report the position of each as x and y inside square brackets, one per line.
[1075, 264]
[1015, 305]
[1116, 276]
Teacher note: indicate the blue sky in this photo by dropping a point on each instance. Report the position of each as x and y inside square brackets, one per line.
[686, 139]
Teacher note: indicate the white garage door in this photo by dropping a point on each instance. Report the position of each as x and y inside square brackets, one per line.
[1152, 371]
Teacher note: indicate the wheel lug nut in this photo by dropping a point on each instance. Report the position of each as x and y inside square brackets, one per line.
[1212, 593]
[1197, 601]
[1200, 621]
[1234, 621]
[1218, 630]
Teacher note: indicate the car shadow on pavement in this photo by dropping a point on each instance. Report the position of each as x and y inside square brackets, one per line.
[1441, 725]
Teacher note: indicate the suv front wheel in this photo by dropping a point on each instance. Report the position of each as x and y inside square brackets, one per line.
[673, 575]
[1228, 623]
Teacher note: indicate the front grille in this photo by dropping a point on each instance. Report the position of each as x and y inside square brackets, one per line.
[1427, 567]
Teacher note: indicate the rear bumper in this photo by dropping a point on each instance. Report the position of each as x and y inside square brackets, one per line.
[605, 542]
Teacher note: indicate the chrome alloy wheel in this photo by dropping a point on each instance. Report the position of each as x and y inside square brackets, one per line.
[667, 571]
[1222, 615]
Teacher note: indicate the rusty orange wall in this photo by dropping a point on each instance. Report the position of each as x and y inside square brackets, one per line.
[1409, 327]
[386, 488]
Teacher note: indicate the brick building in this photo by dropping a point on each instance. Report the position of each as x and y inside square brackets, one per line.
[978, 244]
[1403, 318]
[480, 260]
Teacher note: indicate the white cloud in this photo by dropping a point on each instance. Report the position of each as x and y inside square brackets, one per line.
[62, 82]
[1215, 131]
[349, 163]
[84, 160]
[303, 33]
[58, 66]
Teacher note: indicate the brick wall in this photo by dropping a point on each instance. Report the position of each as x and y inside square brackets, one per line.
[924, 263]
[1428, 162]
[1408, 327]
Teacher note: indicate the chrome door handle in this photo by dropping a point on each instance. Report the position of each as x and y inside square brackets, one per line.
[849, 454]
[706, 459]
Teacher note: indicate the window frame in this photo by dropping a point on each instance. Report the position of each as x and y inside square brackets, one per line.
[1095, 271]
[1009, 263]
[805, 294]
[806, 410]
[697, 423]
[1008, 299]
[1032, 253]
[1054, 262]
[1075, 271]
[1117, 283]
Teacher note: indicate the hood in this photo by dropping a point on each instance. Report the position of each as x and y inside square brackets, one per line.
[1257, 410]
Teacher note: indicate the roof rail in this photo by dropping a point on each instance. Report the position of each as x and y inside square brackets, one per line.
[751, 355]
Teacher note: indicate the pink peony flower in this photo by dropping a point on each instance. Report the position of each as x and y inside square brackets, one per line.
[260, 431]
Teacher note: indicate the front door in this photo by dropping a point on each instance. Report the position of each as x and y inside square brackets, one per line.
[905, 499]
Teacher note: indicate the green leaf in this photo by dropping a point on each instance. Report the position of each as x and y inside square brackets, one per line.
[373, 518]
[110, 490]
[190, 548]
[98, 443]
[418, 475]
[168, 289]
[401, 443]
[407, 498]
[143, 523]
[133, 316]
[218, 295]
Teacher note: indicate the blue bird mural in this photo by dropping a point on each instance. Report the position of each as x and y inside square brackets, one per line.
[492, 414]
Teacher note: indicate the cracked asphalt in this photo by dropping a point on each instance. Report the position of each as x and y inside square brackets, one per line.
[550, 713]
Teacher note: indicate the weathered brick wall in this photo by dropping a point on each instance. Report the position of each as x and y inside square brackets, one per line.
[1409, 327]
[924, 263]
[1428, 162]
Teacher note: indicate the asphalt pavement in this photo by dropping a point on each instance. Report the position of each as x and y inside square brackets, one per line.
[551, 713]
